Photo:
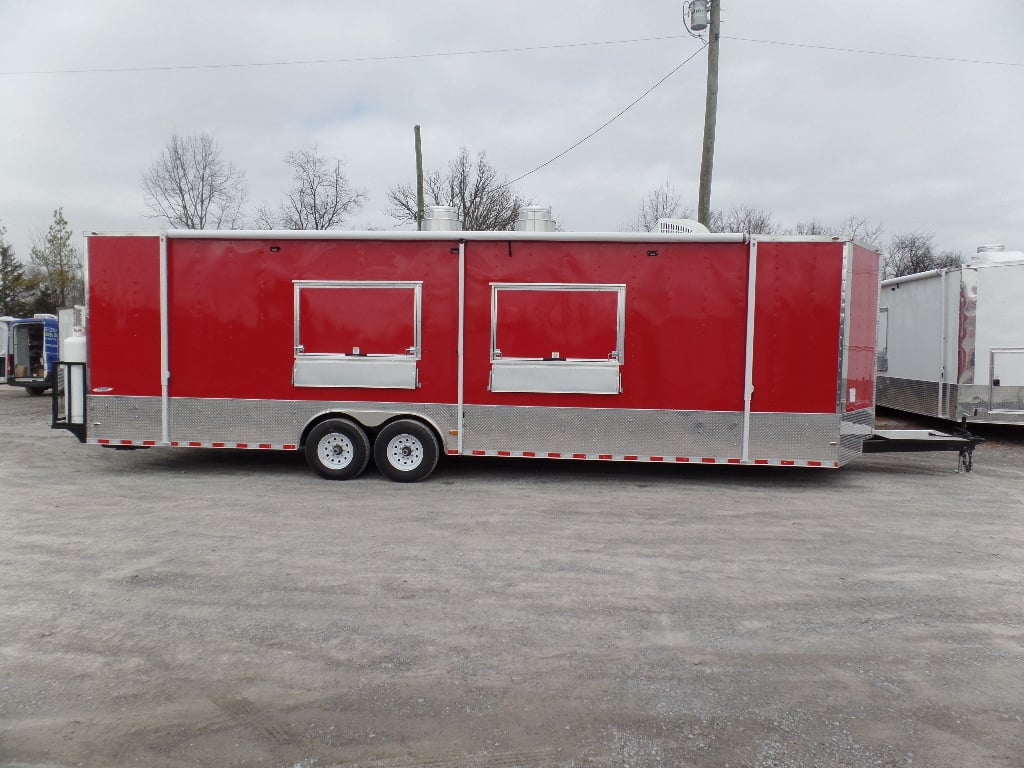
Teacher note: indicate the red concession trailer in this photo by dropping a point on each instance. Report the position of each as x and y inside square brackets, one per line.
[715, 349]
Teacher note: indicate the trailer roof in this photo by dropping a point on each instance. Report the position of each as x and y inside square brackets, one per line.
[334, 234]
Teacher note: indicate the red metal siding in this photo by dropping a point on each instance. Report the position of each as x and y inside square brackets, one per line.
[685, 318]
[797, 318]
[232, 313]
[860, 371]
[124, 315]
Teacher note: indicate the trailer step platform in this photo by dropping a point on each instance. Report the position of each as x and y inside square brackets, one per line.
[922, 440]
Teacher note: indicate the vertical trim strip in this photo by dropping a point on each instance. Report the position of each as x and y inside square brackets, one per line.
[459, 408]
[845, 306]
[941, 410]
[165, 373]
[748, 370]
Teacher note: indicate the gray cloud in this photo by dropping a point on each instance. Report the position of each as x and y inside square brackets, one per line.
[803, 132]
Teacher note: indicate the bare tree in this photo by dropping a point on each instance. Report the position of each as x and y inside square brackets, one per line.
[482, 201]
[56, 267]
[856, 228]
[663, 202]
[192, 186]
[746, 219]
[321, 196]
[911, 252]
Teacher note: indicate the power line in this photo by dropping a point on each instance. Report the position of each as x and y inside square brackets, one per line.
[949, 59]
[608, 122]
[351, 60]
[484, 52]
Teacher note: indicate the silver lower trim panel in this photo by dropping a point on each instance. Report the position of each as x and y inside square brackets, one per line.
[980, 403]
[718, 434]
[116, 417]
[826, 438]
[915, 396]
[209, 420]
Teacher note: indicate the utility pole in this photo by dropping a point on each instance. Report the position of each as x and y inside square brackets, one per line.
[419, 179]
[707, 159]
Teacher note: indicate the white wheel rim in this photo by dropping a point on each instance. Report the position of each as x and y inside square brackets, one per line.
[405, 452]
[335, 451]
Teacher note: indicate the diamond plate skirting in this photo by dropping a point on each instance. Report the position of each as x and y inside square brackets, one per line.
[825, 438]
[789, 436]
[614, 431]
[242, 421]
[915, 396]
[123, 418]
[799, 436]
[854, 427]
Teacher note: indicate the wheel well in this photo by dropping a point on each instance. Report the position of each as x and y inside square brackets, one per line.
[372, 431]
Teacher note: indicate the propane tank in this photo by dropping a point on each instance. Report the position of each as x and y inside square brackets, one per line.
[74, 384]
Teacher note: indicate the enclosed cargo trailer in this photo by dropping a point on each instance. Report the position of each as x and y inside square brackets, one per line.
[951, 341]
[716, 349]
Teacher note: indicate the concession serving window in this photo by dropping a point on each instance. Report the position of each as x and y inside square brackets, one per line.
[357, 334]
[557, 337]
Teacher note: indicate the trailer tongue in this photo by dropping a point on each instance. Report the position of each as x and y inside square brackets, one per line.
[925, 440]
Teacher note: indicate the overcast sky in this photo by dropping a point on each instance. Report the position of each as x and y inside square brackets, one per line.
[928, 139]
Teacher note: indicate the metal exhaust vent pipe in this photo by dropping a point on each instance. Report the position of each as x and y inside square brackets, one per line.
[535, 218]
[441, 218]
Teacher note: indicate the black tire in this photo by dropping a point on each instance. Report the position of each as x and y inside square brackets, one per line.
[406, 451]
[338, 449]
[36, 391]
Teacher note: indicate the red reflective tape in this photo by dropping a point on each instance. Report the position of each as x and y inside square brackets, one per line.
[813, 463]
[706, 460]
[579, 455]
[605, 456]
[479, 453]
[530, 454]
[760, 461]
[683, 459]
[103, 441]
[504, 453]
[630, 458]
[218, 445]
[195, 445]
[554, 455]
[735, 461]
[787, 463]
[266, 445]
[149, 442]
[125, 442]
[657, 458]
[453, 451]
[241, 445]
[175, 443]
[290, 447]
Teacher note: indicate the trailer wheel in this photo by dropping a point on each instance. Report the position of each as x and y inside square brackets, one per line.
[338, 449]
[406, 451]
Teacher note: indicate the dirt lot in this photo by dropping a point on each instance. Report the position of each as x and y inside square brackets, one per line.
[182, 608]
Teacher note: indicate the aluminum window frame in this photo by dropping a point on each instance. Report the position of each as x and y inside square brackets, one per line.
[559, 375]
[618, 355]
[414, 352]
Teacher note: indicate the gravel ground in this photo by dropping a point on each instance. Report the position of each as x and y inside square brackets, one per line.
[187, 607]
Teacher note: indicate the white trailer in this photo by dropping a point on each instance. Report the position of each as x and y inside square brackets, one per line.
[951, 341]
